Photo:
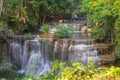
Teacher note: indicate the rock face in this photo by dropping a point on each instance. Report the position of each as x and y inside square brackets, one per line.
[3, 47]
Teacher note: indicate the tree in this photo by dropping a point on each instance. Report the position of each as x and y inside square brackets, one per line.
[28, 15]
[104, 14]
[100, 14]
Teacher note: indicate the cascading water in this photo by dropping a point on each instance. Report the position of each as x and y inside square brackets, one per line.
[84, 55]
[15, 54]
[78, 50]
[32, 59]
[63, 48]
[55, 49]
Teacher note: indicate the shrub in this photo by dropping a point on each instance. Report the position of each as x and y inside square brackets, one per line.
[117, 51]
[28, 35]
[7, 70]
[5, 32]
[112, 73]
[63, 31]
[45, 27]
[98, 33]
[78, 72]
[60, 71]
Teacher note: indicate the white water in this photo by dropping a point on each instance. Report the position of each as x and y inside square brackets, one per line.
[36, 63]
[83, 55]
[77, 50]
[15, 52]
[32, 59]
[63, 48]
[55, 49]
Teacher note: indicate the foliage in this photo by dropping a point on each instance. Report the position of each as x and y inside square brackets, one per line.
[28, 36]
[78, 72]
[89, 72]
[14, 15]
[57, 67]
[27, 15]
[45, 27]
[117, 37]
[117, 51]
[5, 32]
[7, 70]
[60, 71]
[98, 33]
[104, 13]
[63, 31]
[113, 73]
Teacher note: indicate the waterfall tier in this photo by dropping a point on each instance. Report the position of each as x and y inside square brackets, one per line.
[34, 56]
[82, 50]
[31, 56]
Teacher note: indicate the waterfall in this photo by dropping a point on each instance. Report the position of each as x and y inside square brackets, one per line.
[55, 49]
[82, 52]
[84, 55]
[15, 54]
[63, 46]
[33, 57]
[79, 50]
[33, 60]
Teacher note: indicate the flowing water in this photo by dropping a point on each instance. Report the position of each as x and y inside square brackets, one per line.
[16, 50]
[78, 50]
[33, 58]
[84, 55]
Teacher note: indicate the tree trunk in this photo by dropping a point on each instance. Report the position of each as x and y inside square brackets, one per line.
[1, 6]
